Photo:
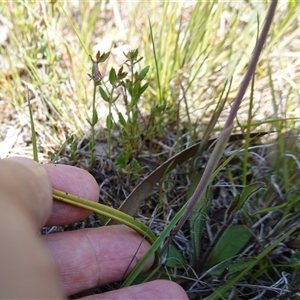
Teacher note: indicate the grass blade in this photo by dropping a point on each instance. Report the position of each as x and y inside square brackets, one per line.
[33, 135]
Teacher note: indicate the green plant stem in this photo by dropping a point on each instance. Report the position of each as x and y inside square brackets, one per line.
[93, 125]
[111, 94]
[197, 195]
[33, 135]
[75, 30]
[252, 65]
[108, 212]
[248, 131]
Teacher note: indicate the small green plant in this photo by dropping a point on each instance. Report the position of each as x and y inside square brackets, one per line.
[96, 77]
[128, 86]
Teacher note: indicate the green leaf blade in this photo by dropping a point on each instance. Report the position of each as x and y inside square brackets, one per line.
[233, 240]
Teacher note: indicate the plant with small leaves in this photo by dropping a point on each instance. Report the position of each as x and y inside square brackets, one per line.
[96, 77]
[132, 90]
[129, 86]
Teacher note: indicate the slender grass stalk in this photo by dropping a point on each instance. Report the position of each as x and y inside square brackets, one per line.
[75, 30]
[93, 123]
[109, 128]
[33, 135]
[109, 120]
[106, 211]
[248, 132]
[156, 64]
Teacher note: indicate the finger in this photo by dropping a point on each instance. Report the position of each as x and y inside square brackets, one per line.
[94, 257]
[158, 289]
[25, 202]
[73, 181]
[28, 187]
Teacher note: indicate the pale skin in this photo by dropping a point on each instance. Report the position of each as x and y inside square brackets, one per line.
[62, 264]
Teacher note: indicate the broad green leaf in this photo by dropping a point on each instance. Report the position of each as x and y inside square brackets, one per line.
[230, 283]
[232, 242]
[51, 155]
[143, 73]
[122, 120]
[95, 118]
[103, 57]
[143, 88]
[121, 160]
[134, 100]
[109, 123]
[103, 94]
[174, 258]
[112, 76]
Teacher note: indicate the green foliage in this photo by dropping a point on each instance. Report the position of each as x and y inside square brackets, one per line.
[227, 267]
[96, 77]
[232, 241]
[72, 143]
[174, 258]
[129, 87]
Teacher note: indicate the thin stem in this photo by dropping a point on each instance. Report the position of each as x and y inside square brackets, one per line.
[93, 126]
[252, 65]
[225, 134]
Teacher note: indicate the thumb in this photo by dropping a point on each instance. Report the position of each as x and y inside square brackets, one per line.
[26, 186]
[27, 271]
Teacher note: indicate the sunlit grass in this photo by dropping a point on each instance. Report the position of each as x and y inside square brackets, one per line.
[197, 47]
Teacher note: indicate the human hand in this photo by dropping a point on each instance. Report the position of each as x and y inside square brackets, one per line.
[63, 264]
